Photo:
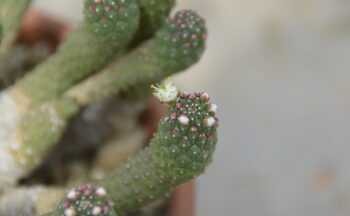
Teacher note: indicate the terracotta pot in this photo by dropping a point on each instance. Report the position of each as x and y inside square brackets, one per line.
[38, 27]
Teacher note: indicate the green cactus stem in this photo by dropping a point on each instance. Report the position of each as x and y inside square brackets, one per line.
[20, 59]
[11, 13]
[107, 27]
[178, 45]
[40, 129]
[153, 15]
[1, 33]
[180, 150]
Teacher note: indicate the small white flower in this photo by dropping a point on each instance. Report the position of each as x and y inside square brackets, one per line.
[166, 92]
[183, 120]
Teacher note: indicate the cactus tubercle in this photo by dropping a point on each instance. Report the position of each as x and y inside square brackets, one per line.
[109, 16]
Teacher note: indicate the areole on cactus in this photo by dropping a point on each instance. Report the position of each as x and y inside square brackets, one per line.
[120, 47]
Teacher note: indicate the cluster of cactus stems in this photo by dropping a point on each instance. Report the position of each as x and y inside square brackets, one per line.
[121, 46]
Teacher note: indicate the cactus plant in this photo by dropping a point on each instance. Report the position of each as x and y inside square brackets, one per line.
[117, 52]
[179, 151]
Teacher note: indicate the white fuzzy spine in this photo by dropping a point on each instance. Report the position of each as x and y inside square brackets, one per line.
[9, 117]
[19, 201]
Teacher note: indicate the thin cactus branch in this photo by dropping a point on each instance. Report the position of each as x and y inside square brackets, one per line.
[1, 33]
[177, 45]
[107, 27]
[11, 12]
[153, 15]
[180, 150]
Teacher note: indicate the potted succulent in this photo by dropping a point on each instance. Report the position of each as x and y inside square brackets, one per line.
[75, 120]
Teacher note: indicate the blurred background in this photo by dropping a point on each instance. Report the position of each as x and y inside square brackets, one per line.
[279, 71]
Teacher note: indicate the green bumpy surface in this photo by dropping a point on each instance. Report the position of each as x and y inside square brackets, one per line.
[181, 42]
[178, 152]
[108, 26]
[11, 12]
[1, 33]
[153, 16]
[111, 19]
[181, 150]
[178, 44]
[84, 201]
[170, 52]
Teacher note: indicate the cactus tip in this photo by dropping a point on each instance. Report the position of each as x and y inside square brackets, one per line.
[87, 200]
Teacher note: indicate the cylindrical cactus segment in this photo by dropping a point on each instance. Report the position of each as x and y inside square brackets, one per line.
[180, 150]
[186, 138]
[154, 13]
[86, 200]
[1, 33]
[111, 19]
[11, 12]
[108, 26]
[153, 16]
[174, 48]
[181, 41]
[40, 129]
